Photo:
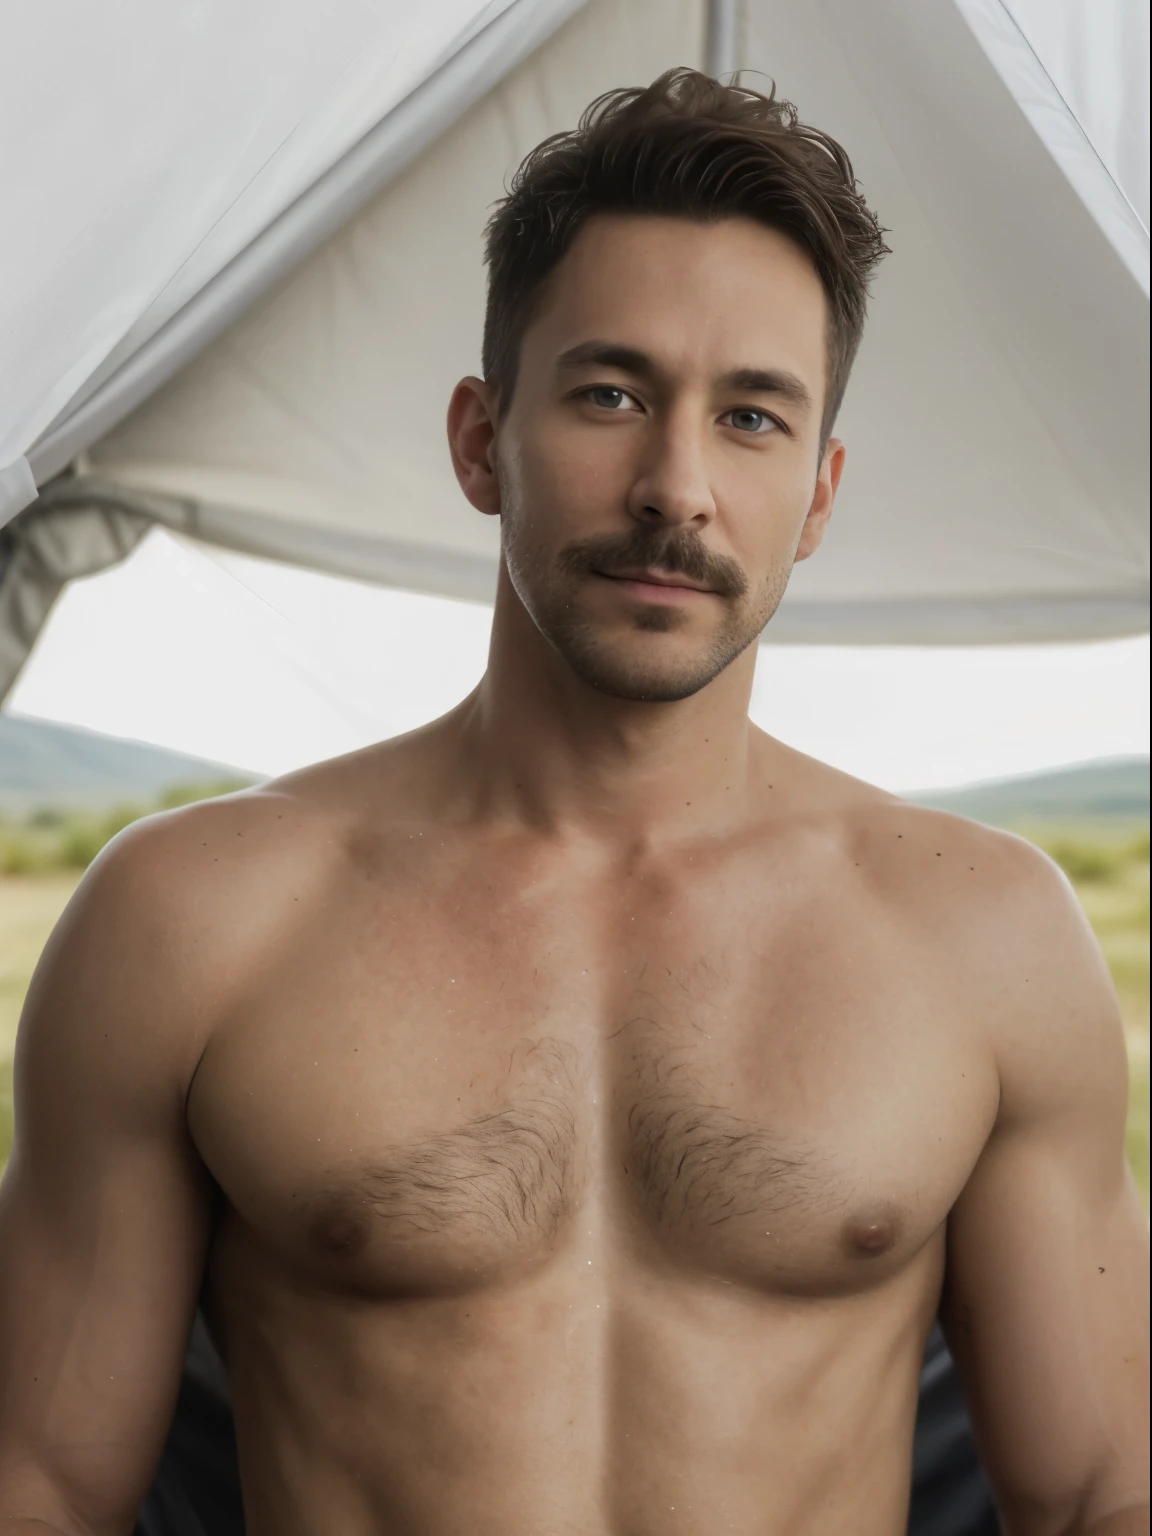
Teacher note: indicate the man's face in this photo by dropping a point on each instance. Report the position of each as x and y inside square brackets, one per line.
[658, 466]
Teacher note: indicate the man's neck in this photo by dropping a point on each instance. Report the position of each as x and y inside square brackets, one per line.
[546, 747]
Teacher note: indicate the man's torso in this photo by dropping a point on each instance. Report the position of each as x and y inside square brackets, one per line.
[575, 1189]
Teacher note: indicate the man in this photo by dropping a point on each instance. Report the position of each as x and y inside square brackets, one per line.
[580, 1108]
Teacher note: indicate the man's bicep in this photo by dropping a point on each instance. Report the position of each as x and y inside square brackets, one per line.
[1046, 1299]
[102, 1225]
[1045, 1312]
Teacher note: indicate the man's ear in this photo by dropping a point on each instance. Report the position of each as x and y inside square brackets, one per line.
[831, 468]
[472, 443]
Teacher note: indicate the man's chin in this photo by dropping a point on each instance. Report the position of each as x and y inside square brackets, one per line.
[640, 679]
[658, 656]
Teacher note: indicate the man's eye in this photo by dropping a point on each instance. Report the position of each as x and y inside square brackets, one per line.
[609, 398]
[745, 419]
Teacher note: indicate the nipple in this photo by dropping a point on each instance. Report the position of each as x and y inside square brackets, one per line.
[871, 1237]
[339, 1234]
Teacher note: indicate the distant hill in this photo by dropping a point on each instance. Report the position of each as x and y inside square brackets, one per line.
[1107, 788]
[61, 765]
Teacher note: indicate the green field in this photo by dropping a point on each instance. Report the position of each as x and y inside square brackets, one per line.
[1108, 864]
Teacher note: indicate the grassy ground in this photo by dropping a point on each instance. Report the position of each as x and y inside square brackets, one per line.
[1109, 870]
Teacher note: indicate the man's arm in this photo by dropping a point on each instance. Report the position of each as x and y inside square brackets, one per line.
[1046, 1302]
[103, 1209]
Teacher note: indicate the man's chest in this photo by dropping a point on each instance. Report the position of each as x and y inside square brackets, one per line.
[438, 1088]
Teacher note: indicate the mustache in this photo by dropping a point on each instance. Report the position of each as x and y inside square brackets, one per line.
[679, 553]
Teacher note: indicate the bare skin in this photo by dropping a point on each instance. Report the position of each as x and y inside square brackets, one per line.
[579, 1109]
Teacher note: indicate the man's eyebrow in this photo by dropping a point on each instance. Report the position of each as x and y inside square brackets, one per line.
[608, 354]
[770, 381]
[760, 381]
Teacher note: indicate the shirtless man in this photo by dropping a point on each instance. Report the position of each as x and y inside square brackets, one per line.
[577, 1110]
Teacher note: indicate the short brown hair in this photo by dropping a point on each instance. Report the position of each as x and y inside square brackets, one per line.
[689, 147]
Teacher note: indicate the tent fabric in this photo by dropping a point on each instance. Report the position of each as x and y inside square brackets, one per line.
[168, 335]
[111, 229]
[997, 472]
[39, 555]
[1070, 69]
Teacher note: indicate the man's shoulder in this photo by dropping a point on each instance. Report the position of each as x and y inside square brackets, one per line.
[206, 884]
[935, 854]
[916, 851]
[252, 837]
[999, 929]
[981, 881]
[1000, 921]
[180, 916]
[943, 875]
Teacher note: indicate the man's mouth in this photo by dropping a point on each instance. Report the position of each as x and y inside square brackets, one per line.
[658, 586]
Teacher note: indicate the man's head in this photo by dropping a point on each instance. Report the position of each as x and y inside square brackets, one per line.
[677, 289]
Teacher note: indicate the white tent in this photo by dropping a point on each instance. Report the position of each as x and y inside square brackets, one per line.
[241, 271]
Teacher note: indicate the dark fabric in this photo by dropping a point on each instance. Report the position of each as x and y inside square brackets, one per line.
[950, 1496]
[197, 1487]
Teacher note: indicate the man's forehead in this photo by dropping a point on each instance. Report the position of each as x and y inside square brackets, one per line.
[719, 298]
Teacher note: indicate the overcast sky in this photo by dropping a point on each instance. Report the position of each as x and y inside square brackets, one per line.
[266, 667]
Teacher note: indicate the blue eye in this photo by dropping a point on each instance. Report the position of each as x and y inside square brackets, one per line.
[745, 419]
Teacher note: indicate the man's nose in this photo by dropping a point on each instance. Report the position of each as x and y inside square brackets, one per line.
[674, 486]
